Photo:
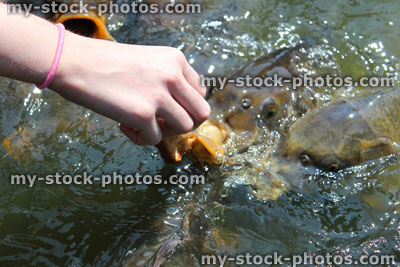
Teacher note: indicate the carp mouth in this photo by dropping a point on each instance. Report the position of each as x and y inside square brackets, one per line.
[89, 25]
[205, 144]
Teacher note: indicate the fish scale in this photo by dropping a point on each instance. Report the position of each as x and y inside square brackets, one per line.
[384, 109]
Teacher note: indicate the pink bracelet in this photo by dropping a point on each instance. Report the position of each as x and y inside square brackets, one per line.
[60, 45]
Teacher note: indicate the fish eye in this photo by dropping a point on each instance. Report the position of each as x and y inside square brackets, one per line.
[246, 103]
[268, 108]
[330, 163]
[305, 159]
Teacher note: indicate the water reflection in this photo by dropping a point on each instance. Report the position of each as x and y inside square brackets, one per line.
[353, 213]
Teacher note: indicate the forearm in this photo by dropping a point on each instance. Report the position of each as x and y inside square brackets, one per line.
[152, 90]
[27, 46]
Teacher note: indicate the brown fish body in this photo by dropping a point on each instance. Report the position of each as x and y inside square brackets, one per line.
[346, 132]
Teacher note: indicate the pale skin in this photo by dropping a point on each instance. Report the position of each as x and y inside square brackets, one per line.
[151, 91]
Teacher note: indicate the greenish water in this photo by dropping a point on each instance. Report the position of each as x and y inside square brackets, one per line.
[93, 226]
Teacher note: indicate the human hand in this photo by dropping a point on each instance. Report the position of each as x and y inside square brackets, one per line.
[152, 91]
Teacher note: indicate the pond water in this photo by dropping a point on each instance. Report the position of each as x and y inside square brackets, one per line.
[352, 213]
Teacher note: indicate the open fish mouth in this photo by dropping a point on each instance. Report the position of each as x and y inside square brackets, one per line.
[205, 144]
[85, 24]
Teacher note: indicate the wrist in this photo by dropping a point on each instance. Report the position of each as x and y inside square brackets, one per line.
[71, 69]
[26, 47]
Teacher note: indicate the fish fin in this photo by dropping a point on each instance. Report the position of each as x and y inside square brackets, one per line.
[7, 141]
[17, 144]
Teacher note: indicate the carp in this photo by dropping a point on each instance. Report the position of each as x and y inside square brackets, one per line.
[189, 232]
[81, 16]
[343, 133]
[90, 24]
[243, 113]
[346, 132]
[93, 23]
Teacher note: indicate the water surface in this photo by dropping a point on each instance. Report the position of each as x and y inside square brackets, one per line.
[93, 226]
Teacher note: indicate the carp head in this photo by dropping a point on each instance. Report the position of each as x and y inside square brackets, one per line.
[334, 137]
[244, 110]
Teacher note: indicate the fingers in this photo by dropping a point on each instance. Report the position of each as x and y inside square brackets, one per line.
[174, 119]
[149, 133]
[191, 101]
[172, 110]
[194, 79]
